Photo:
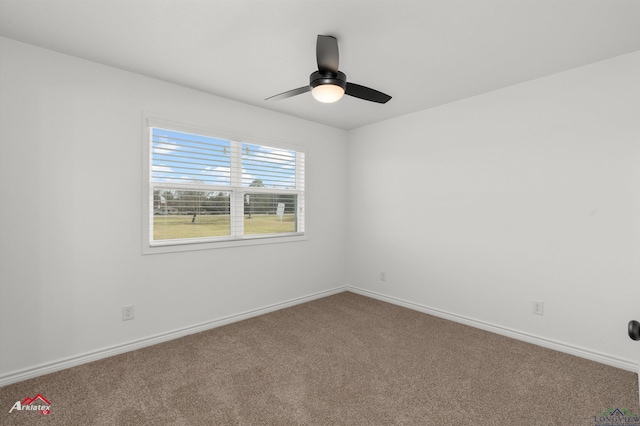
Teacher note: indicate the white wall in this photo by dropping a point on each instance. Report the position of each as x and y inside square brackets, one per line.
[478, 207]
[71, 213]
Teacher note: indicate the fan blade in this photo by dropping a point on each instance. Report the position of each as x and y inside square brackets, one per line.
[327, 54]
[290, 93]
[366, 93]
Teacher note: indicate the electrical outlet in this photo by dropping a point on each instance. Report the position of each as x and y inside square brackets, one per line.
[383, 276]
[538, 307]
[127, 312]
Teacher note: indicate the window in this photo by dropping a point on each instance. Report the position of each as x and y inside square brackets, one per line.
[206, 191]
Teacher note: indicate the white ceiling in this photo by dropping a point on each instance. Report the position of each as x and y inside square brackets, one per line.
[423, 53]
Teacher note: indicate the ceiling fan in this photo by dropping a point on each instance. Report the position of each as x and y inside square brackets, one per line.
[328, 84]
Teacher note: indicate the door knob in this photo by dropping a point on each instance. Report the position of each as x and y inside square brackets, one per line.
[634, 330]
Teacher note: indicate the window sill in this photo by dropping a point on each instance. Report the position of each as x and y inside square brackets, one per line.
[171, 247]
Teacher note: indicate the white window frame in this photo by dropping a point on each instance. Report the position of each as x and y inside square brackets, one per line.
[236, 189]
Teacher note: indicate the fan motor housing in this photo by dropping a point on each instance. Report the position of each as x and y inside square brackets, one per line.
[319, 78]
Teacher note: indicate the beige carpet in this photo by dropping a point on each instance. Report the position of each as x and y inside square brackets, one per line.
[341, 360]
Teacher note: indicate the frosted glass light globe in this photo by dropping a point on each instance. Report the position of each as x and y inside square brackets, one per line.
[327, 93]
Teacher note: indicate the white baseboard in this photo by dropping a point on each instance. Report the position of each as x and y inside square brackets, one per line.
[504, 331]
[65, 363]
[74, 361]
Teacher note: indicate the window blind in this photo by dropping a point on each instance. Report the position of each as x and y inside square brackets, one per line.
[206, 189]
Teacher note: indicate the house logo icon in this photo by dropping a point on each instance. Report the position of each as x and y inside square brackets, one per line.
[37, 403]
[615, 416]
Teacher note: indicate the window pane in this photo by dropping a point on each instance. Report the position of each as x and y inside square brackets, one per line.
[268, 167]
[187, 158]
[190, 214]
[269, 213]
[218, 192]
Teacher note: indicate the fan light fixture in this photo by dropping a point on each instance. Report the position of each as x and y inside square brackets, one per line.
[328, 84]
[327, 93]
[327, 87]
